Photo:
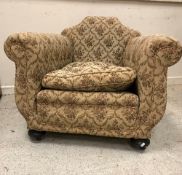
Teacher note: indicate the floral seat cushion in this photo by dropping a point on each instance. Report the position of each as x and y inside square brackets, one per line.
[90, 76]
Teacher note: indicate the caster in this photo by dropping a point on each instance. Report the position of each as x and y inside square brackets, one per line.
[36, 135]
[140, 144]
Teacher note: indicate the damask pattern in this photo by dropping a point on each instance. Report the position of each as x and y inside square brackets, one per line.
[90, 76]
[99, 39]
[123, 99]
[150, 56]
[103, 39]
[35, 55]
[91, 110]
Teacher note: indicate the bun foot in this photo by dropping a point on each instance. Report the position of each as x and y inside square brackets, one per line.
[36, 135]
[140, 144]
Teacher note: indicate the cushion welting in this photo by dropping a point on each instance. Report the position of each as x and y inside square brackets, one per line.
[90, 76]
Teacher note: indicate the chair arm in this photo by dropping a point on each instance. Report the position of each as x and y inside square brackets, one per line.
[150, 56]
[167, 49]
[35, 55]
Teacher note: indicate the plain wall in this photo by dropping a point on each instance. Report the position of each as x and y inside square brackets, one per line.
[55, 15]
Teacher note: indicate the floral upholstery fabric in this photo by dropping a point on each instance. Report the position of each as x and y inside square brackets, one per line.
[99, 39]
[90, 76]
[124, 99]
[36, 54]
[89, 111]
[150, 56]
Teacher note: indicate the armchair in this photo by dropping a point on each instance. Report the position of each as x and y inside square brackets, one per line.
[98, 78]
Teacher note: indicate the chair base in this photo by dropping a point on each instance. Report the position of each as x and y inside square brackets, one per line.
[36, 135]
[140, 144]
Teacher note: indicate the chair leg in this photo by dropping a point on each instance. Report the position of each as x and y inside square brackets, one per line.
[140, 144]
[36, 135]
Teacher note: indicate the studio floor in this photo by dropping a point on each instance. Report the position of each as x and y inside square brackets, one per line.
[60, 154]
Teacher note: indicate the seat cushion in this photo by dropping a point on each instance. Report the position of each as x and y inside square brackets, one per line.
[122, 99]
[90, 76]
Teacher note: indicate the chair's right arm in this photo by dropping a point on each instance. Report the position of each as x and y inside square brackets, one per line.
[151, 56]
[35, 55]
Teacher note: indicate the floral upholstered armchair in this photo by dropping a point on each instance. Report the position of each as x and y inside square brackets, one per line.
[98, 78]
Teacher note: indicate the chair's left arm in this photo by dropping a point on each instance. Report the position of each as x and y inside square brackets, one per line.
[34, 55]
[151, 56]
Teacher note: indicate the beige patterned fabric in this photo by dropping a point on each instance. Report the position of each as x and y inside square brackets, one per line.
[124, 99]
[34, 55]
[99, 39]
[89, 112]
[102, 39]
[90, 76]
[150, 56]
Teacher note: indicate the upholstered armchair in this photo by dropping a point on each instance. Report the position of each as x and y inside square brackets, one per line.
[98, 78]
